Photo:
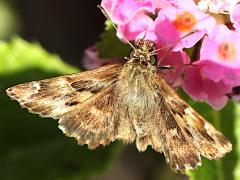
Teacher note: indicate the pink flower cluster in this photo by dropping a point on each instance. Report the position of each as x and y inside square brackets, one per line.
[216, 67]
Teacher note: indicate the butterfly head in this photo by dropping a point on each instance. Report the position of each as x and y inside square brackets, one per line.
[142, 53]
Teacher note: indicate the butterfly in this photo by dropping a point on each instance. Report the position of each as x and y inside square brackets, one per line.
[130, 102]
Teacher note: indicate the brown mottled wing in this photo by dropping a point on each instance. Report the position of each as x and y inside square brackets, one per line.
[187, 133]
[210, 142]
[92, 123]
[98, 121]
[82, 102]
[179, 151]
[57, 96]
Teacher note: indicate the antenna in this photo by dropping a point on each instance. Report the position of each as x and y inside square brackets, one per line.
[172, 45]
[108, 18]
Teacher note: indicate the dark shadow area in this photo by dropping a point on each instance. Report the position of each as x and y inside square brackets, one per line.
[62, 27]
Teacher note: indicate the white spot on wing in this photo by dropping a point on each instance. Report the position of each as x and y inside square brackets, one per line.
[62, 128]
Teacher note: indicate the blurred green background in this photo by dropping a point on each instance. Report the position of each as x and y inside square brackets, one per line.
[41, 39]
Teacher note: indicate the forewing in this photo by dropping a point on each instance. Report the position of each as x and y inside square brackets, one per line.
[210, 142]
[197, 131]
[85, 104]
[98, 121]
[57, 96]
[93, 123]
[179, 151]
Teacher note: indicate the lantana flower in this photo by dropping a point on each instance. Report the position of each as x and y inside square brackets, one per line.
[135, 17]
[174, 25]
[218, 71]
[185, 19]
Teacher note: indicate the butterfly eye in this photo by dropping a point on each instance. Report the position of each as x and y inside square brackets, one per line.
[152, 60]
[132, 54]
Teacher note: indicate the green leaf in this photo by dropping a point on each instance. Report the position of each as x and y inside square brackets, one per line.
[18, 56]
[9, 21]
[32, 147]
[110, 46]
[227, 121]
[236, 172]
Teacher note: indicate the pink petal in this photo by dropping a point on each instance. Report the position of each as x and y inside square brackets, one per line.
[148, 35]
[173, 58]
[218, 72]
[235, 17]
[107, 5]
[190, 40]
[140, 23]
[200, 87]
[166, 33]
[176, 59]
[124, 10]
[204, 24]
[159, 4]
[211, 44]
